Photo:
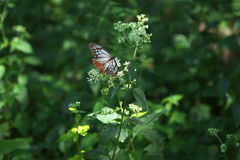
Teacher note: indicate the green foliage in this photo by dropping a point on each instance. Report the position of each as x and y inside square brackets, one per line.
[188, 75]
[231, 148]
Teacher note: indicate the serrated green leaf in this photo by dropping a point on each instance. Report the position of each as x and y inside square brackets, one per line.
[121, 154]
[109, 131]
[96, 153]
[148, 122]
[149, 119]
[140, 98]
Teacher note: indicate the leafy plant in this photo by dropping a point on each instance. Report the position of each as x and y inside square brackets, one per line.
[126, 121]
[231, 148]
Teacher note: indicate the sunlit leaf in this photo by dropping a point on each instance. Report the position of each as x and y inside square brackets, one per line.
[139, 114]
[22, 79]
[2, 71]
[82, 130]
[21, 45]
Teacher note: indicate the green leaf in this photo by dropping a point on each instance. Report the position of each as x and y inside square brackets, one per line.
[20, 45]
[7, 146]
[150, 119]
[140, 98]
[114, 91]
[121, 154]
[77, 118]
[109, 131]
[66, 136]
[178, 117]
[173, 99]
[76, 157]
[82, 130]
[148, 122]
[236, 112]
[4, 128]
[32, 60]
[22, 79]
[236, 25]
[124, 134]
[139, 114]
[106, 115]
[96, 153]
[233, 149]
[200, 112]
[95, 88]
[21, 94]
[2, 70]
[107, 118]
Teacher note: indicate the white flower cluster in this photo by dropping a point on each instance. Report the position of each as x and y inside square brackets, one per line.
[122, 73]
[126, 112]
[134, 108]
[93, 76]
[126, 64]
[138, 32]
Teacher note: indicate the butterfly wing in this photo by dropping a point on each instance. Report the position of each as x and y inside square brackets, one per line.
[111, 67]
[103, 60]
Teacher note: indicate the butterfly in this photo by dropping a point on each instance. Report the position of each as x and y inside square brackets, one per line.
[103, 60]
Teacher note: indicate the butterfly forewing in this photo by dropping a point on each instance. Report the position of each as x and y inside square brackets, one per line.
[103, 60]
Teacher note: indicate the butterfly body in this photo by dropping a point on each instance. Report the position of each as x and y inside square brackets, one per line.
[103, 60]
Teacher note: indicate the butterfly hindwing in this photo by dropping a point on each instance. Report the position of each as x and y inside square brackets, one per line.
[111, 67]
[103, 60]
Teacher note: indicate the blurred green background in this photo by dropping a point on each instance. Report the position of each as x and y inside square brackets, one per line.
[44, 60]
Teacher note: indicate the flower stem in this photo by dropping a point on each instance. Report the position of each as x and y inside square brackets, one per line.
[135, 51]
[120, 127]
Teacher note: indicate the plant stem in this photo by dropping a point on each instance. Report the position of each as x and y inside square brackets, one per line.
[78, 147]
[218, 138]
[4, 13]
[135, 51]
[120, 127]
[126, 38]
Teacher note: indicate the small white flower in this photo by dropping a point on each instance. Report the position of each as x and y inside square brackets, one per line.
[94, 76]
[118, 62]
[126, 112]
[134, 108]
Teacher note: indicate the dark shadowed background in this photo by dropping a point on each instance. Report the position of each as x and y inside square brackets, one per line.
[194, 52]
